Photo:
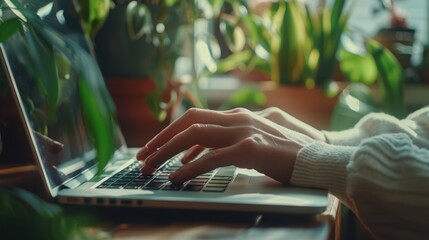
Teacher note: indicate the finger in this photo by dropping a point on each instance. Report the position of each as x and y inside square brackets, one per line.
[147, 169]
[143, 153]
[192, 153]
[236, 117]
[213, 159]
[190, 117]
[208, 136]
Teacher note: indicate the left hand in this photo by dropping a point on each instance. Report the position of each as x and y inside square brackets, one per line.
[236, 137]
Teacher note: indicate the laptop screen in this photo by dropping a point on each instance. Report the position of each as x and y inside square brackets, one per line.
[55, 124]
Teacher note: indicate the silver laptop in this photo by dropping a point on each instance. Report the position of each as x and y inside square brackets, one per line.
[66, 155]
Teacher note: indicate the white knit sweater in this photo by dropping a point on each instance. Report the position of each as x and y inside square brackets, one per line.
[379, 169]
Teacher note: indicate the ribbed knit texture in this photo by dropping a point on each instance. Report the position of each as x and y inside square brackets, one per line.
[380, 169]
[322, 165]
[388, 185]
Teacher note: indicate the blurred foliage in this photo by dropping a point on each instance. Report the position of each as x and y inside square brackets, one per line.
[25, 216]
[154, 20]
[48, 55]
[289, 41]
[357, 100]
[244, 97]
[93, 14]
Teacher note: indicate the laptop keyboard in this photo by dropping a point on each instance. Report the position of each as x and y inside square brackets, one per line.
[131, 178]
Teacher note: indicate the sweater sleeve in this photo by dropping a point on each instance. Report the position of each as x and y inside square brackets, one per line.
[388, 187]
[416, 126]
[384, 180]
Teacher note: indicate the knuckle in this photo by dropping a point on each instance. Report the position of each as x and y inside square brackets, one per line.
[273, 110]
[196, 128]
[192, 112]
[244, 118]
[250, 143]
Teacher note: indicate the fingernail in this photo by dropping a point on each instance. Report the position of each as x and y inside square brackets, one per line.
[144, 153]
[150, 161]
[147, 169]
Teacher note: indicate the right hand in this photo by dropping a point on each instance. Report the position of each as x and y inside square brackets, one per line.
[237, 137]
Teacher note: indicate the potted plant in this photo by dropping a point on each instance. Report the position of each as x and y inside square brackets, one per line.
[295, 45]
[138, 48]
[302, 49]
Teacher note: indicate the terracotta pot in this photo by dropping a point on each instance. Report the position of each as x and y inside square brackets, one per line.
[136, 121]
[308, 105]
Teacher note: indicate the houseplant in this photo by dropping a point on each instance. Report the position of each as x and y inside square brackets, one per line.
[358, 99]
[294, 44]
[137, 48]
[272, 41]
[54, 61]
[143, 39]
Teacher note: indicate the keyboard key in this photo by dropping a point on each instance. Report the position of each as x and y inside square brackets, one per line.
[202, 177]
[193, 188]
[161, 178]
[198, 181]
[153, 185]
[220, 181]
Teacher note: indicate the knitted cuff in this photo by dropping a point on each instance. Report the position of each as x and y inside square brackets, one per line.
[323, 165]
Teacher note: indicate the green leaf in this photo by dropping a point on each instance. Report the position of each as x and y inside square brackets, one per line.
[170, 3]
[235, 60]
[139, 20]
[358, 67]
[25, 216]
[44, 66]
[8, 28]
[391, 78]
[245, 97]
[287, 46]
[217, 6]
[233, 35]
[153, 101]
[337, 12]
[93, 14]
[99, 121]
[208, 51]
[354, 102]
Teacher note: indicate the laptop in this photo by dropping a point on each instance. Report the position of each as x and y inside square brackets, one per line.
[66, 154]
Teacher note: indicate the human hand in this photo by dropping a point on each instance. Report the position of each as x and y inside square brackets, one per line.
[275, 115]
[286, 120]
[236, 137]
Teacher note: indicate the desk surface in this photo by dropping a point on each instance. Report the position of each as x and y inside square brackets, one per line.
[119, 223]
[190, 225]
